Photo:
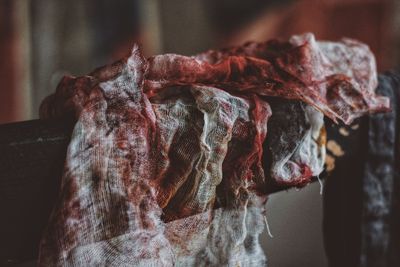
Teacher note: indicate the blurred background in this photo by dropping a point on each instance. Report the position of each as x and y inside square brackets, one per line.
[42, 40]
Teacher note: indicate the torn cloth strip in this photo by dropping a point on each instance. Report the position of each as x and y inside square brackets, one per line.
[165, 164]
[380, 239]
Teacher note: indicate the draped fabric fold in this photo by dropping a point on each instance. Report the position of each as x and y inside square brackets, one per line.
[166, 164]
[362, 196]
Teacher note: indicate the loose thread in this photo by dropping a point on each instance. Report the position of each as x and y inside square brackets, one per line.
[267, 225]
[321, 185]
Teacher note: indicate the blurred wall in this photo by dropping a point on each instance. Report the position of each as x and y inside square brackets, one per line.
[15, 83]
[42, 40]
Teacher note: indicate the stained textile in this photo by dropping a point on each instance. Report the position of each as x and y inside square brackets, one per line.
[165, 165]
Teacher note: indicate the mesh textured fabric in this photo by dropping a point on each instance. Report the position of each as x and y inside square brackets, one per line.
[380, 218]
[165, 164]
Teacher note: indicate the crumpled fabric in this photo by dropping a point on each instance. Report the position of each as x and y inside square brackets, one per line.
[337, 78]
[165, 164]
[295, 147]
[362, 194]
[380, 227]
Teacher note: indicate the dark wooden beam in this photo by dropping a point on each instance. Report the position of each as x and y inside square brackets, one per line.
[32, 155]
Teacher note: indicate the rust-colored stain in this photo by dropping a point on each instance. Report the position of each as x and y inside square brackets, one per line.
[330, 163]
[322, 137]
[335, 148]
